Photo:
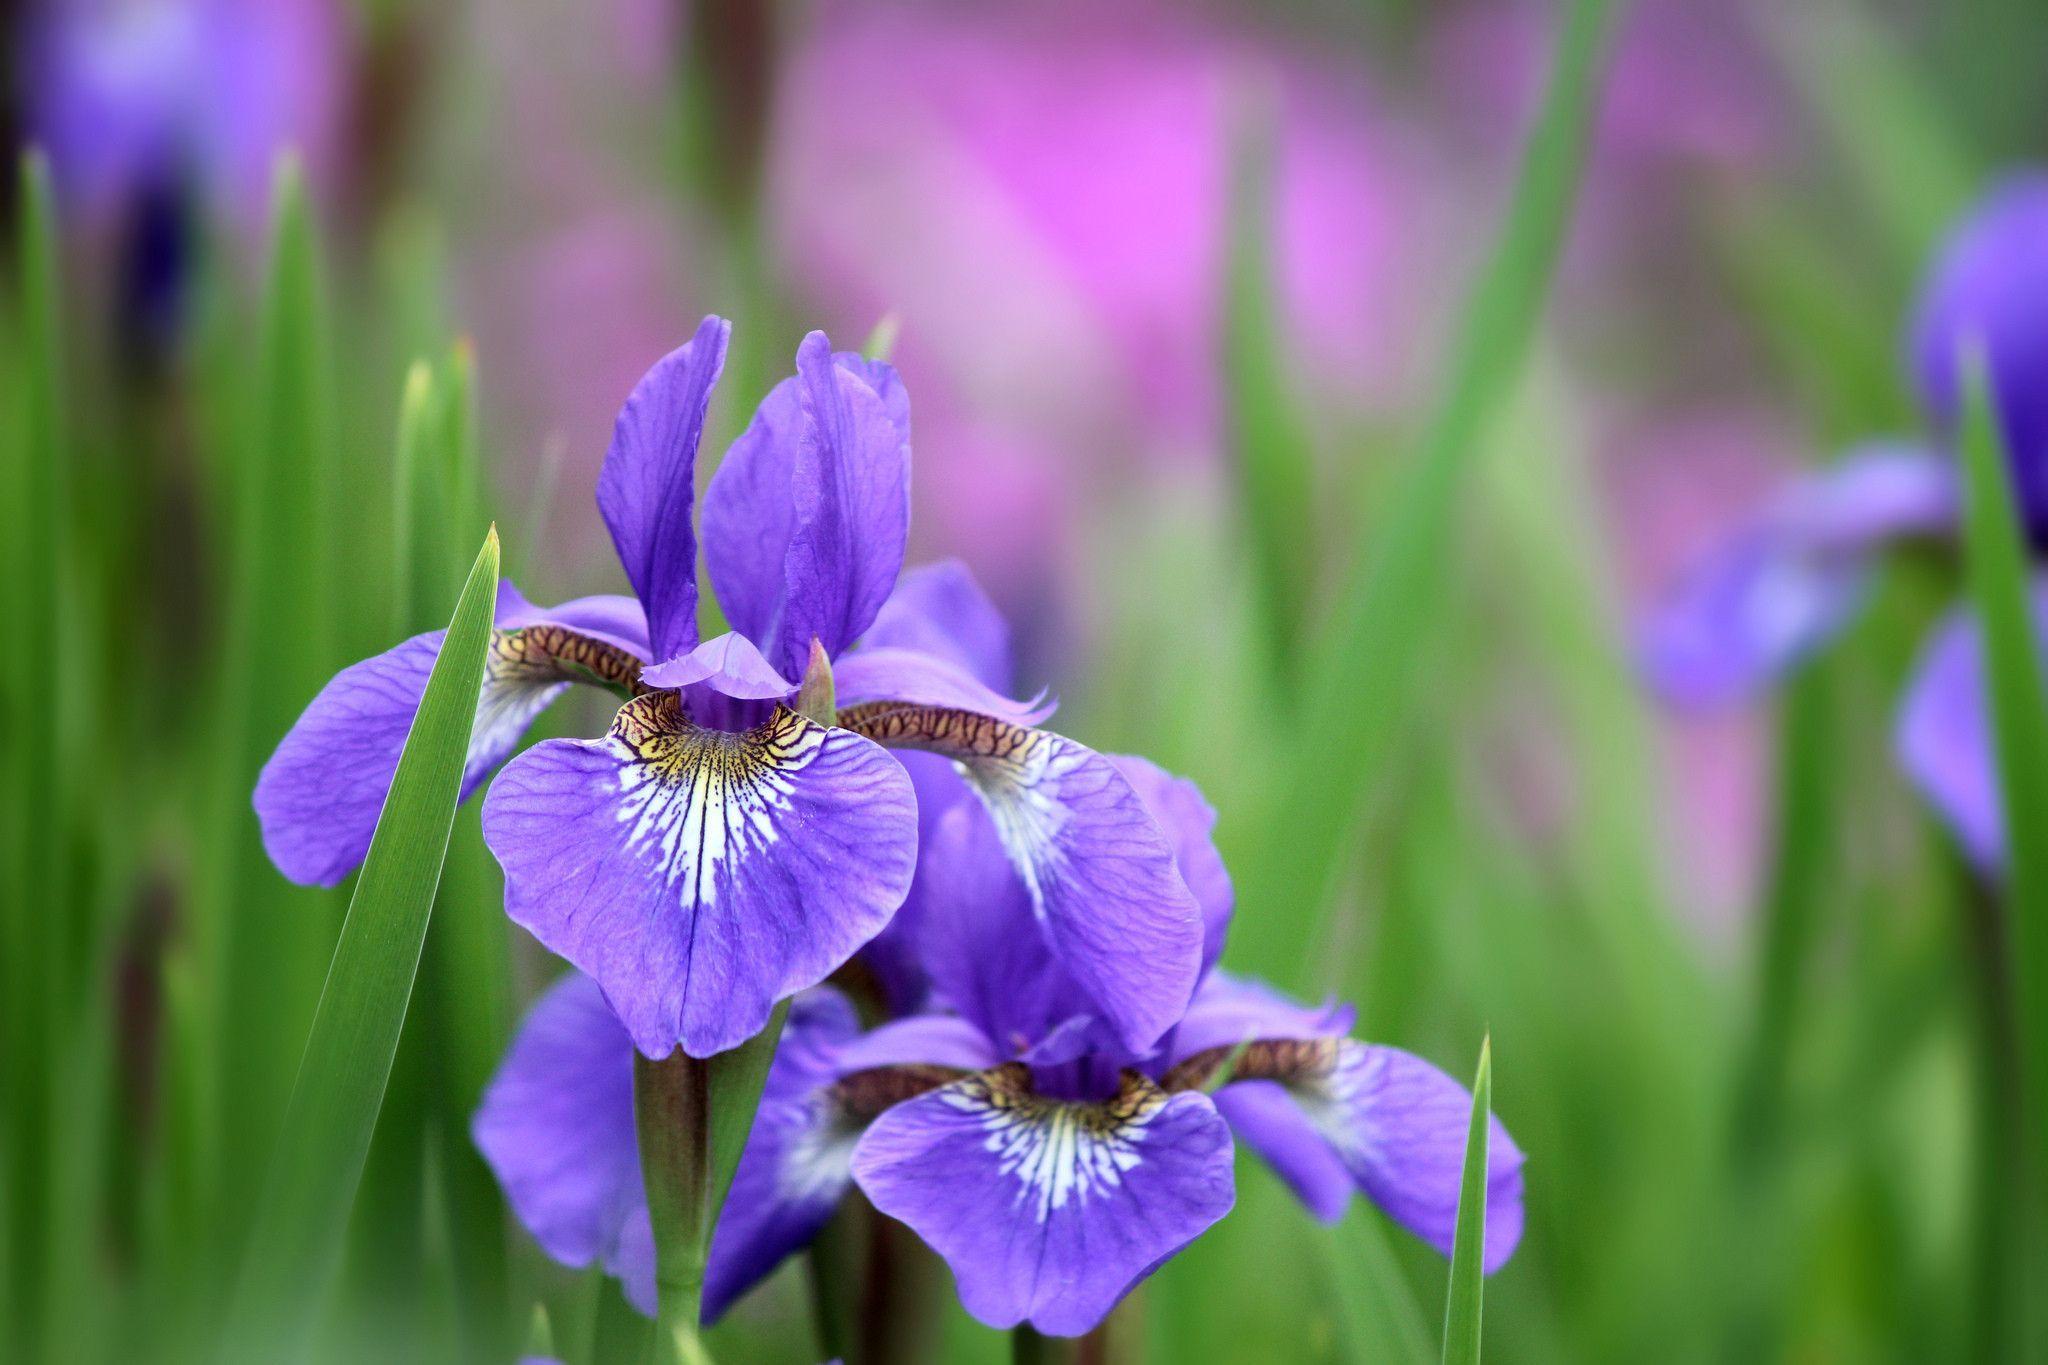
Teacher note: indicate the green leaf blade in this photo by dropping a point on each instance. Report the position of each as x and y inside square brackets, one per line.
[301, 1221]
[1362, 678]
[1269, 442]
[1996, 557]
[1468, 1247]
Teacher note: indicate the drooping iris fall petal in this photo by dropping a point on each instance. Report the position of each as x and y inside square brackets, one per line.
[700, 875]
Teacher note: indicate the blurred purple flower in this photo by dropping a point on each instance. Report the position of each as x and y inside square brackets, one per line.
[130, 96]
[1791, 577]
[1051, 1166]
[1990, 287]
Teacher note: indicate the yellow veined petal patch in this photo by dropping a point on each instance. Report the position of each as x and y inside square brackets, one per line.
[696, 796]
[1059, 1151]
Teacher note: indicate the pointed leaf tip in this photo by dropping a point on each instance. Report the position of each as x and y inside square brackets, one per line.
[1464, 1305]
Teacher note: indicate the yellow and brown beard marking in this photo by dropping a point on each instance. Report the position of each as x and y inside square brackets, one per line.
[654, 726]
[1286, 1060]
[965, 735]
[1008, 1089]
[862, 1096]
[552, 654]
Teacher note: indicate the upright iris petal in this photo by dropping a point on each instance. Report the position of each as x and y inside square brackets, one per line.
[806, 520]
[852, 493]
[647, 487]
[939, 610]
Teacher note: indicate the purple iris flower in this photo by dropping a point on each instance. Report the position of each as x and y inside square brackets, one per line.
[1051, 1167]
[1781, 585]
[152, 110]
[715, 851]
[128, 96]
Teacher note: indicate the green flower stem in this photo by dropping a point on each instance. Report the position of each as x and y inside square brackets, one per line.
[672, 1110]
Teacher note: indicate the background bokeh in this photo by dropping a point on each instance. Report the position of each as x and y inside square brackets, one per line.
[1079, 220]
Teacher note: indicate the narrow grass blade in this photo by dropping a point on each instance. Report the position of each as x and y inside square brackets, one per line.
[465, 975]
[33, 919]
[1885, 120]
[281, 647]
[1794, 899]
[1269, 443]
[1468, 1247]
[2018, 706]
[312, 1180]
[1377, 1312]
[416, 502]
[1363, 678]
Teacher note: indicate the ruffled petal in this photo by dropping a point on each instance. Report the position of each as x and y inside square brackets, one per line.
[939, 609]
[1944, 737]
[852, 491]
[730, 664]
[1048, 1211]
[648, 482]
[556, 1127]
[319, 796]
[1100, 874]
[701, 875]
[1784, 584]
[805, 522]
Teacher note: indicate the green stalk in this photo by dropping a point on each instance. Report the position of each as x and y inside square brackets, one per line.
[34, 918]
[832, 1273]
[672, 1112]
[1028, 1346]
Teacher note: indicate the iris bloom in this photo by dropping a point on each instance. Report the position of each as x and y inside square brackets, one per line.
[1783, 584]
[1051, 1167]
[714, 851]
[152, 110]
